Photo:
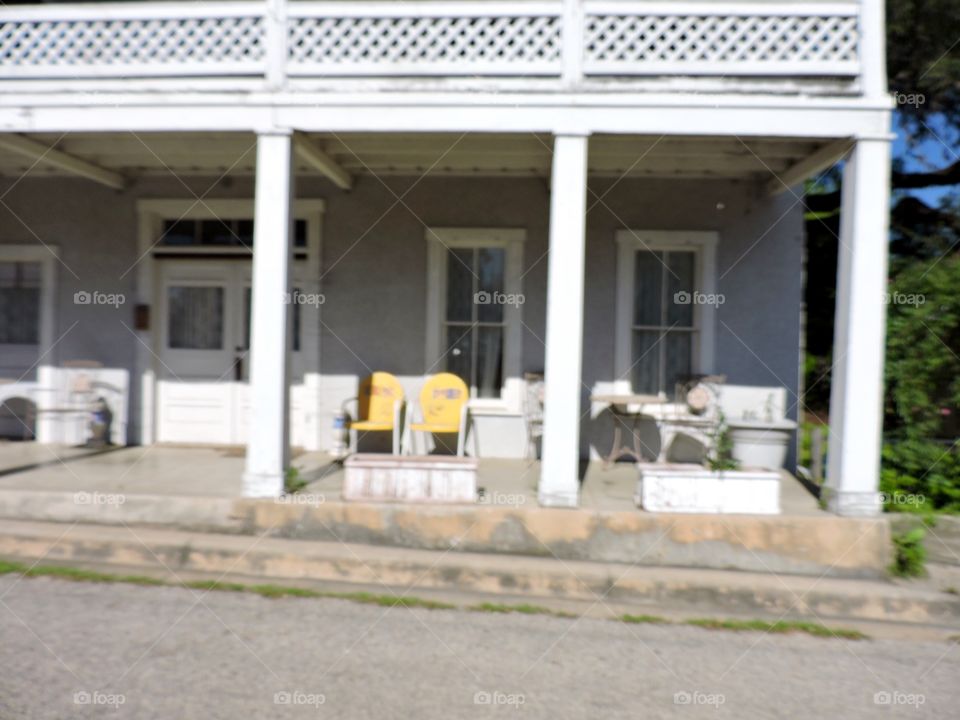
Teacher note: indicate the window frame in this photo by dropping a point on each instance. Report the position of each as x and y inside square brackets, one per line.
[47, 256]
[704, 246]
[511, 240]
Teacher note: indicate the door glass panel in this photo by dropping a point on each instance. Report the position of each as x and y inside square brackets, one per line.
[680, 289]
[20, 303]
[247, 310]
[648, 271]
[460, 285]
[646, 362]
[195, 317]
[489, 362]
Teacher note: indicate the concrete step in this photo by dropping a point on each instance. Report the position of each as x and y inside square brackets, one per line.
[813, 545]
[629, 588]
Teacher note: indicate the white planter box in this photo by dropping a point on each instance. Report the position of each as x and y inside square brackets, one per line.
[397, 478]
[761, 444]
[696, 489]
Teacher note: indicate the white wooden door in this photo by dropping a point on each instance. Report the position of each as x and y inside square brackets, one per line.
[201, 393]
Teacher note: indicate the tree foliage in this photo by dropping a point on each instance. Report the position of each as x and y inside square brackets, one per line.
[923, 59]
[922, 458]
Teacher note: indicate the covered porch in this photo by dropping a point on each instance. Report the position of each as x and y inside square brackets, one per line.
[97, 477]
[195, 489]
[369, 225]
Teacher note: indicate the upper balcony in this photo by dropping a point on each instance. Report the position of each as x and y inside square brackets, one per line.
[783, 47]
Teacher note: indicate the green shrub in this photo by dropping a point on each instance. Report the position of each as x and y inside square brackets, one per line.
[721, 458]
[922, 457]
[292, 482]
[909, 554]
[920, 476]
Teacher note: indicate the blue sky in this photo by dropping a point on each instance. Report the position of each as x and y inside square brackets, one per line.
[939, 150]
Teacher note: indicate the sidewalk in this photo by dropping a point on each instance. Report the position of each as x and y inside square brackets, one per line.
[587, 587]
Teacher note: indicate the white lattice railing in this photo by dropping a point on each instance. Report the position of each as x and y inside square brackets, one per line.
[522, 38]
[131, 41]
[724, 38]
[425, 38]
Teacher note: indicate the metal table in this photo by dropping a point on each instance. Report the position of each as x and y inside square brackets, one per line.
[626, 407]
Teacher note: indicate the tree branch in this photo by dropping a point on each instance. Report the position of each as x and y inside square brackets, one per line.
[949, 175]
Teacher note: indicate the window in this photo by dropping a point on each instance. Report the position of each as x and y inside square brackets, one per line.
[665, 309]
[219, 233]
[20, 284]
[473, 324]
[663, 329]
[474, 311]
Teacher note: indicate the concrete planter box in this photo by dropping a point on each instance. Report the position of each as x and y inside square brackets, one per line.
[396, 478]
[696, 489]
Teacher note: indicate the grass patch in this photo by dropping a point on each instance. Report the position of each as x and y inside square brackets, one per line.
[523, 609]
[391, 600]
[366, 598]
[74, 574]
[12, 567]
[267, 591]
[780, 627]
[279, 591]
[644, 619]
[211, 585]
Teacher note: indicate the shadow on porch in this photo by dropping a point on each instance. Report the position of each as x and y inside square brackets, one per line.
[215, 473]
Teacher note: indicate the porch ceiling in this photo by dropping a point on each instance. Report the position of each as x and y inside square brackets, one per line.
[135, 155]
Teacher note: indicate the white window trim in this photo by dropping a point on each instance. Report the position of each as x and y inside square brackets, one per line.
[157, 211]
[47, 256]
[439, 240]
[705, 316]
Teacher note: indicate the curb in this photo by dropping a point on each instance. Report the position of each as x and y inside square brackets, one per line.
[216, 555]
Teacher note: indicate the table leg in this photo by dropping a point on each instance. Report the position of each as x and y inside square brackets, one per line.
[615, 450]
[637, 452]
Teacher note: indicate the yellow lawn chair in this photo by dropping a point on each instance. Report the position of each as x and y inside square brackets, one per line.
[443, 408]
[380, 407]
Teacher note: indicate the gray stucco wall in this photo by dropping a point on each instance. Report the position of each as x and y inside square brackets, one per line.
[374, 264]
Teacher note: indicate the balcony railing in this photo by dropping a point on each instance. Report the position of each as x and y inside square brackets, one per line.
[454, 38]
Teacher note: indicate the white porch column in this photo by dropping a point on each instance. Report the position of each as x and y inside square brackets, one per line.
[268, 444]
[559, 481]
[856, 399]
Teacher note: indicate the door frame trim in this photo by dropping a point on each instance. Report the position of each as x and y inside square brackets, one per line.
[150, 215]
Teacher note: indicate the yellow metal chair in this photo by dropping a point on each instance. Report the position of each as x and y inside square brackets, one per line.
[380, 407]
[444, 408]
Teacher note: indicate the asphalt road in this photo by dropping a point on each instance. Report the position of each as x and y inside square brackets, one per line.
[78, 650]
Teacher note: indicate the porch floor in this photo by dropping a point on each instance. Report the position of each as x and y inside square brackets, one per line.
[216, 472]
